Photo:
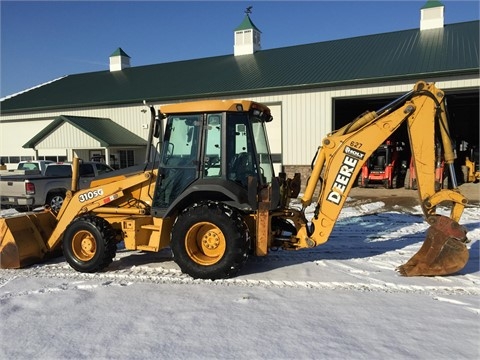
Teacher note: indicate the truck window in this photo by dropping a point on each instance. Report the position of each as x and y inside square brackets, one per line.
[59, 170]
[28, 166]
[86, 170]
[102, 168]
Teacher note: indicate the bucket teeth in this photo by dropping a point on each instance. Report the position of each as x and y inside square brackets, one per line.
[443, 252]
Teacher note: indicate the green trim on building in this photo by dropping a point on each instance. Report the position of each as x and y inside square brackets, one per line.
[105, 131]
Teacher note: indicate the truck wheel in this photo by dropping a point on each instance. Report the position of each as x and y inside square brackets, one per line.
[210, 241]
[386, 183]
[89, 244]
[55, 201]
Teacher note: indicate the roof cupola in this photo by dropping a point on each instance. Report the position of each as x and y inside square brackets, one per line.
[432, 15]
[119, 60]
[247, 36]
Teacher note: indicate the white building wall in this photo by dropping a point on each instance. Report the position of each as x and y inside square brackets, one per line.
[305, 116]
[14, 134]
[65, 135]
[16, 130]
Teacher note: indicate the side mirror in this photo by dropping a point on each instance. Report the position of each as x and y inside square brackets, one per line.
[156, 128]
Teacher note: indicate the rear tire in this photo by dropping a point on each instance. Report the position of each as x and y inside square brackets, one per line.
[89, 244]
[210, 241]
[55, 201]
[406, 183]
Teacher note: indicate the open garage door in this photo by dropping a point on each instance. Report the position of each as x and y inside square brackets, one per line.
[463, 113]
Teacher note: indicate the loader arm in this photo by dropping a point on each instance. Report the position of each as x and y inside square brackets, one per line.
[105, 196]
[342, 154]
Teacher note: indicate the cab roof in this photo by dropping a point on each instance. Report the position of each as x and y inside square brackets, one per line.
[207, 106]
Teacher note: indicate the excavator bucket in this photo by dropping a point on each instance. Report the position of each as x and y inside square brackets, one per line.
[443, 252]
[23, 239]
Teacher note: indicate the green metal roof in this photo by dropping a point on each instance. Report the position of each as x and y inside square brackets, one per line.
[106, 131]
[403, 55]
[246, 24]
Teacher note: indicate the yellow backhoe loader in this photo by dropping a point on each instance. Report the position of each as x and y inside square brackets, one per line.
[471, 169]
[212, 196]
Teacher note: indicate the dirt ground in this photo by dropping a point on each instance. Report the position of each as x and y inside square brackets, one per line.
[408, 198]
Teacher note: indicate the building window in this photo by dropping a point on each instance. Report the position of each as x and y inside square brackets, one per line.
[126, 158]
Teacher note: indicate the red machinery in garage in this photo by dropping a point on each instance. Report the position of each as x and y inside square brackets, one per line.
[384, 166]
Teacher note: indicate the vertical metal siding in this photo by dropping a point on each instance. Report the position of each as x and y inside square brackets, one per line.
[65, 136]
[306, 116]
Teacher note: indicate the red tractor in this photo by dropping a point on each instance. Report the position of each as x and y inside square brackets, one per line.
[384, 166]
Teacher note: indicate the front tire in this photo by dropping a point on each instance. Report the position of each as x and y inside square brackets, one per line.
[210, 241]
[89, 244]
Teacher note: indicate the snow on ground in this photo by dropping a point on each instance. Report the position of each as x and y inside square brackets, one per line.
[341, 300]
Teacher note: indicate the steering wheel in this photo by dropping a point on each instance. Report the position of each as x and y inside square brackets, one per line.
[242, 167]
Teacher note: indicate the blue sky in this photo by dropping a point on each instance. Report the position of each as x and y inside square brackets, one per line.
[41, 41]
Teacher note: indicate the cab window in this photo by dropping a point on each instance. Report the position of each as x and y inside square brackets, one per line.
[241, 162]
[213, 146]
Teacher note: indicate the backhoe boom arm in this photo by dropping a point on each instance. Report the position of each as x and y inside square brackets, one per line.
[343, 153]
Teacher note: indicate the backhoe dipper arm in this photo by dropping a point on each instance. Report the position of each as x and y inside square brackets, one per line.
[343, 153]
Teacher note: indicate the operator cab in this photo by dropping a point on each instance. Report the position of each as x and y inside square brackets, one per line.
[212, 152]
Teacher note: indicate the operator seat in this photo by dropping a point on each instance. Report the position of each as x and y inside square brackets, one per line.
[241, 168]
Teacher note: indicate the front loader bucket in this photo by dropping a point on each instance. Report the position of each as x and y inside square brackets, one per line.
[443, 252]
[23, 239]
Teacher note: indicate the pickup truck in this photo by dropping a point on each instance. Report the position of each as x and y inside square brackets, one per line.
[31, 167]
[30, 191]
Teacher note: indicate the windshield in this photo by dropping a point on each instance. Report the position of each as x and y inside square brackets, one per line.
[263, 149]
[247, 137]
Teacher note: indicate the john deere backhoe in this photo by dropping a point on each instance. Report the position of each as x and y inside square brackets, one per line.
[212, 197]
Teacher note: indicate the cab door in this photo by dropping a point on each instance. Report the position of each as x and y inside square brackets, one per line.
[179, 165]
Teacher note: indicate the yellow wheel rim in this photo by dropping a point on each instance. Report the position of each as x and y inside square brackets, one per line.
[84, 245]
[205, 243]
